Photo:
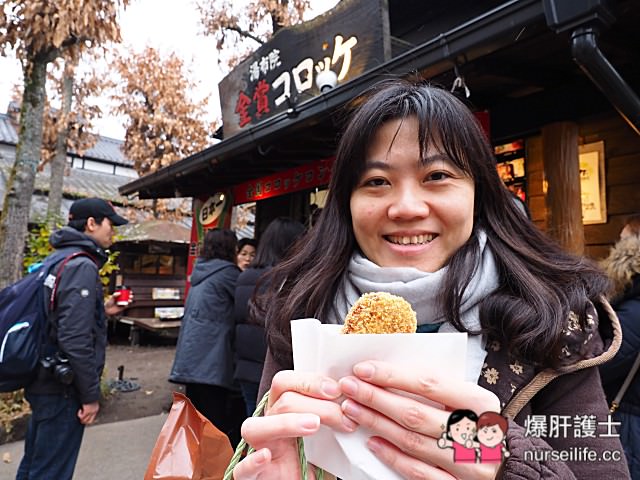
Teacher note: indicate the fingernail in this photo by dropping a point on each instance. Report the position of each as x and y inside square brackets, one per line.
[310, 423]
[349, 386]
[364, 370]
[350, 408]
[374, 445]
[329, 388]
[349, 424]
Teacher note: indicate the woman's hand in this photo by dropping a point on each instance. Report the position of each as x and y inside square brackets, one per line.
[298, 404]
[406, 430]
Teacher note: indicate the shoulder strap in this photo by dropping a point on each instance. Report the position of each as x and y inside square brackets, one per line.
[627, 381]
[54, 290]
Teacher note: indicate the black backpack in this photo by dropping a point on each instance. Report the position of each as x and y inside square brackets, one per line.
[24, 322]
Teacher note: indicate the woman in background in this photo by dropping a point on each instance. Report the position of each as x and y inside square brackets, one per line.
[250, 342]
[623, 267]
[246, 252]
[204, 353]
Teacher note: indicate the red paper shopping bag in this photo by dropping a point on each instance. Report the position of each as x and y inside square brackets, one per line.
[189, 447]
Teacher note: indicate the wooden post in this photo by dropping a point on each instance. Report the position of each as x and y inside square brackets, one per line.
[562, 173]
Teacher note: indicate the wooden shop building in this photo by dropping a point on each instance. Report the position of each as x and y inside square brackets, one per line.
[554, 83]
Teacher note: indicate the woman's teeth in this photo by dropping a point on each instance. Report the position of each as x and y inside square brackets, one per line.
[410, 240]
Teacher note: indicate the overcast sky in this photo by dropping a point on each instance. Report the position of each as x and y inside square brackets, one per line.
[160, 24]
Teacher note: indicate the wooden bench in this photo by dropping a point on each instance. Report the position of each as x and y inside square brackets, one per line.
[162, 328]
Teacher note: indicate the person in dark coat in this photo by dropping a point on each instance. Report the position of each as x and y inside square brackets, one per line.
[78, 336]
[204, 352]
[623, 267]
[250, 345]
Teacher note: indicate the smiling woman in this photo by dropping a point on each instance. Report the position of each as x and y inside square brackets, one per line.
[416, 209]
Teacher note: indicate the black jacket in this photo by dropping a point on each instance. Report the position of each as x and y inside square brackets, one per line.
[250, 344]
[624, 262]
[614, 372]
[77, 323]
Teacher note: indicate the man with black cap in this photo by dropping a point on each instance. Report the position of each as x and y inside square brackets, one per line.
[64, 396]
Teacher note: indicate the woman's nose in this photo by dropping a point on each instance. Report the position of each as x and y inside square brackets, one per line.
[407, 204]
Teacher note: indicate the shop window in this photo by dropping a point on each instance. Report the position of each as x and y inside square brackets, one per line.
[510, 163]
[151, 264]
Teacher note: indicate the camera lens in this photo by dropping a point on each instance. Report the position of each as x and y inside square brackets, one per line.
[59, 367]
[63, 374]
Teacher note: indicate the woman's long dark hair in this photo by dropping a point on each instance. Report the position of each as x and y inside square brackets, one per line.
[539, 283]
[277, 238]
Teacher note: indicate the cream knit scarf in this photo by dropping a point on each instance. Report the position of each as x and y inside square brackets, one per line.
[422, 290]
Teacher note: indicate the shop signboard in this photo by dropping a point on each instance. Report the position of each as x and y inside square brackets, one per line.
[208, 213]
[313, 174]
[350, 39]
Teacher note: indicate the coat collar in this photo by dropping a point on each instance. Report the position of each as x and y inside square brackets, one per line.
[516, 382]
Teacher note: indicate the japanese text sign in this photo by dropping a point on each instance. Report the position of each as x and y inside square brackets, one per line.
[350, 39]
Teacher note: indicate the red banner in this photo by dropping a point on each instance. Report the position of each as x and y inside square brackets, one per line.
[314, 174]
[484, 121]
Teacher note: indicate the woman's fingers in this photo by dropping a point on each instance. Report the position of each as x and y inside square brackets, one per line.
[262, 431]
[410, 453]
[300, 392]
[418, 445]
[408, 467]
[328, 411]
[444, 469]
[305, 383]
[274, 439]
[453, 394]
[409, 413]
[252, 465]
[382, 398]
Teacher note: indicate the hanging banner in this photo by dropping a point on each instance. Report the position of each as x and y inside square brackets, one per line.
[208, 213]
[313, 174]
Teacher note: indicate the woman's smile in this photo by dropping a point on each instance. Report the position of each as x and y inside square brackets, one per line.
[418, 239]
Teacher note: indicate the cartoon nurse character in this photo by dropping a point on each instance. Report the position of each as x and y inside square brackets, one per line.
[492, 434]
[461, 429]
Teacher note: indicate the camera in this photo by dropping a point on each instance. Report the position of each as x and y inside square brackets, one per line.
[326, 80]
[59, 367]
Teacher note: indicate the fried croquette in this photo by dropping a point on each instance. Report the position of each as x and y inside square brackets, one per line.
[380, 312]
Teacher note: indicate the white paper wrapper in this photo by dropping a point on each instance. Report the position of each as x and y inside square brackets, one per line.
[323, 349]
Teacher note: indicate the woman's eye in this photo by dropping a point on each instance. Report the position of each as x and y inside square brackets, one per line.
[374, 182]
[435, 176]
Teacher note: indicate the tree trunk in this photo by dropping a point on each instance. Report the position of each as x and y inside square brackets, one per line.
[59, 161]
[17, 201]
[562, 172]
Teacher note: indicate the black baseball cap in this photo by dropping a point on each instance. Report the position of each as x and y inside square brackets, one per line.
[97, 208]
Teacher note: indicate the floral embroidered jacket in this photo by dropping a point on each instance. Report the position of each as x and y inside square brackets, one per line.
[557, 414]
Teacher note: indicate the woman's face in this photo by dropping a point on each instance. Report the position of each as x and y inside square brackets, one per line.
[245, 256]
[408, 213]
